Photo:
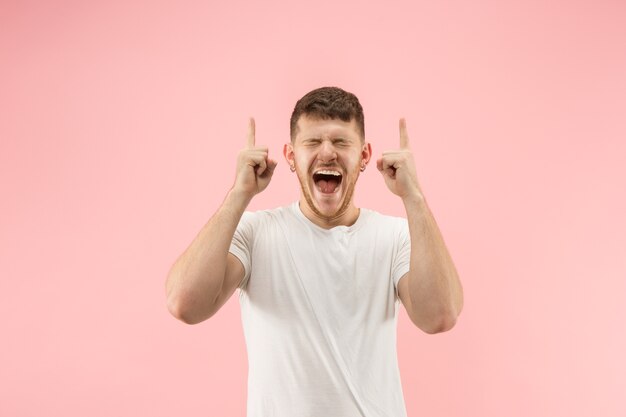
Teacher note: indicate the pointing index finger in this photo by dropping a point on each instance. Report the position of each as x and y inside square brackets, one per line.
[251, 132]
[404, 136]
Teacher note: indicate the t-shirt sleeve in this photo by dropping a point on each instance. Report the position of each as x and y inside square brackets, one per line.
[241, 245]
[402, 254]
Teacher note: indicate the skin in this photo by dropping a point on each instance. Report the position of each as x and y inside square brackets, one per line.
[329, 144]
[432, 293]
[205, 276]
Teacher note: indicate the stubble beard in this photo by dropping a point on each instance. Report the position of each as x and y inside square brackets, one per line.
[345, 204]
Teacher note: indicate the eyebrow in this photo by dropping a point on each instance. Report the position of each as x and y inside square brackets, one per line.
[335, 139]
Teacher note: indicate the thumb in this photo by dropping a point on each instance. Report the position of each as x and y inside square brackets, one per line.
[271, 165]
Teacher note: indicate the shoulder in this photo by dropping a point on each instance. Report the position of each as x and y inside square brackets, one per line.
[266, 217]
[379, 220]
[393, 230]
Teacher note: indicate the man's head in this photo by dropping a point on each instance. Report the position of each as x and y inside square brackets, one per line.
[327, 152]
[328, 103]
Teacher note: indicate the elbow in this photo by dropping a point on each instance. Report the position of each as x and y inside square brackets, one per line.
[443, 323]
[182, 304]
[445, 320]
[177, 309]
[182, 311]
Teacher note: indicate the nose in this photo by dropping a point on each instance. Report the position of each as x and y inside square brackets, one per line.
[327, 152]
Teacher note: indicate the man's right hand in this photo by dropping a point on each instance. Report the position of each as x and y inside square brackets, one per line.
[254, 168]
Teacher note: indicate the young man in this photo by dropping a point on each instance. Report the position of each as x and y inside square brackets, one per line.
[321, 280]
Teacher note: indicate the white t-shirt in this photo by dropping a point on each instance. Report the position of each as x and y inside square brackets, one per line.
[319, 311]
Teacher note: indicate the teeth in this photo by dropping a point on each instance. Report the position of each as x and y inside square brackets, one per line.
[328, 172]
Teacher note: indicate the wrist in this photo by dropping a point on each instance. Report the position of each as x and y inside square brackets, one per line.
[239, 198]
[415, 198]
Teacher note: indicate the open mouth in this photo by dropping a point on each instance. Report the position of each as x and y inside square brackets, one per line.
[327, 180]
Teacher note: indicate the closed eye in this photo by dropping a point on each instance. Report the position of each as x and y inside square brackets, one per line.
[312, 142]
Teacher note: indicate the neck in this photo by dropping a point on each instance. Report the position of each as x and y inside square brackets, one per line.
[347, 218]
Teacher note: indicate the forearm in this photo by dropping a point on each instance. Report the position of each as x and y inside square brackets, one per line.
[434, 287]
[196, 278]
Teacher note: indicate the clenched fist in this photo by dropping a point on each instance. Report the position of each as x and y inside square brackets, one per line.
[254, 168]
[398, 168]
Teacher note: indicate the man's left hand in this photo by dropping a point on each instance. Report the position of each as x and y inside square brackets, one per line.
[398, 168]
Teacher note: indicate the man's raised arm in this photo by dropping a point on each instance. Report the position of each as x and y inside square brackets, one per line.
[205, 276]
[432, 293]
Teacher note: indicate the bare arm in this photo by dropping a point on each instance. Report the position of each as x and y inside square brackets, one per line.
[206, 274]
[432, 293]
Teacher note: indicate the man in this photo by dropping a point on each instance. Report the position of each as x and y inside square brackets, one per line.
[320, 280]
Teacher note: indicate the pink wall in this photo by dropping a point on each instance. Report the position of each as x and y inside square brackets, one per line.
[119, 127]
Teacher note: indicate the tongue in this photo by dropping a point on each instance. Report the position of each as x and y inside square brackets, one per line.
[328, 186]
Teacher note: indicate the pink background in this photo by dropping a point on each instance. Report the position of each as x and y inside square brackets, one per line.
[119, 127]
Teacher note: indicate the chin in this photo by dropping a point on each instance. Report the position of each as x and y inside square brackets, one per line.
[328, 206]
[328, 191]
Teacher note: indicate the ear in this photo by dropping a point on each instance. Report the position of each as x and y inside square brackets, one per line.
[366, 152]
[288, 154]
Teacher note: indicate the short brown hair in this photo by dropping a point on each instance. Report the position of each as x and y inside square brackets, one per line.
[328, 103]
